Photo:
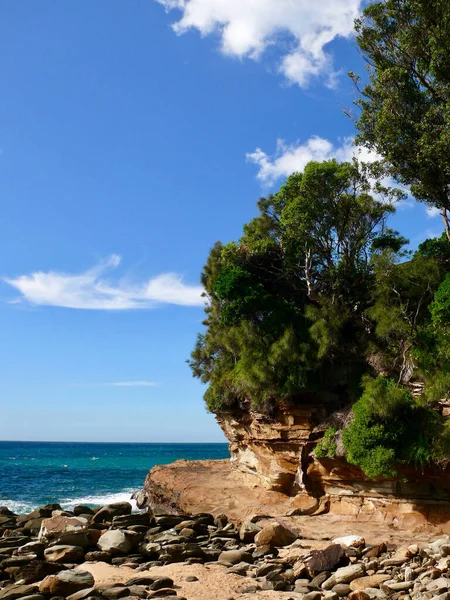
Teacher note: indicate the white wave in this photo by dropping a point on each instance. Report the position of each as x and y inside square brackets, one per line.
[22, 508]
[94, 458]
[100, 500]
[18, 507]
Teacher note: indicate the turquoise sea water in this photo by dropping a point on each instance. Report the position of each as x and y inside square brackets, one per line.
[35, 473]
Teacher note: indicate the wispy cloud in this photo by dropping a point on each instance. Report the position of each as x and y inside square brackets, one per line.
[133, 384]
[91, 290]
[289, 158]
[301, 30]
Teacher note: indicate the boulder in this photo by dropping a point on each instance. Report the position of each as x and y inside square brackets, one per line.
[75, 538]
[56, 527]
[236, 556]
[369, 581]
[348, 574]
[125, 521]
[33, 526]
[36, 570]
[115, 541]
[36, 548]
[248, 531]
[81, 509]
[326, 560]
[64, 554]
[66, 582]
[275, 534]
[106, 513]
[14, 592]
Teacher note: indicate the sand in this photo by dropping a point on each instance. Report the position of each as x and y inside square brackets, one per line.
[214, 583]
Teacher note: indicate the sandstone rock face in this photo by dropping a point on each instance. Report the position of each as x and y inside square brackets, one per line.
[273, 471]
[271, 449]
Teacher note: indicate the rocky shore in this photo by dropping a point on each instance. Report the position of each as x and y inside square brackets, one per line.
[110, 553]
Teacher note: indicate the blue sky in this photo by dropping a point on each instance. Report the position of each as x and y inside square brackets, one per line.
[133, 135]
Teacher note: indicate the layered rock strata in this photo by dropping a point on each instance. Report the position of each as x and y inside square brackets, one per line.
[273, 471]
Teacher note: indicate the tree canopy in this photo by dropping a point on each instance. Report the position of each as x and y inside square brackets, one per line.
[319, 296]
[319, 293]
[405, 106]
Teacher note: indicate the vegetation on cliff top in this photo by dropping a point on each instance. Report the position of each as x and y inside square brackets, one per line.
[319, 293]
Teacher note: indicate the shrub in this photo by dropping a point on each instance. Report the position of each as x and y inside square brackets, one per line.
[389, 429]
[327, 447]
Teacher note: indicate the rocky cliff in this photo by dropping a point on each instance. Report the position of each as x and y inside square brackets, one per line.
[273, 471]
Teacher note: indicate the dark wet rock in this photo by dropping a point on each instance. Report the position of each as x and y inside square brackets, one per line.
[14, 542]
[36, 570]
[168, 521]
[125, 521]
[82, 509]
[98, 556]
[107, 513]
[75, 538]
[162, 593]
[111, 593]
[16, 561]
[36, 548]
[33, 526]
[141, 580]
[236, 556]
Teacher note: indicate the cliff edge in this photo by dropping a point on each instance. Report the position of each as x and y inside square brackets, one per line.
[273, 471]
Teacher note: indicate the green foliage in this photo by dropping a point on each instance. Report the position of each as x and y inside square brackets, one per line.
[438, 249]
[399, 312]
[389, 430]
[327, 447]
[405, 106]
[319, 291]
[440, 307]
[287, 300]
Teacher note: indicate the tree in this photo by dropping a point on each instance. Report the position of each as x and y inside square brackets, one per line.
[287, 301]
[405, 107]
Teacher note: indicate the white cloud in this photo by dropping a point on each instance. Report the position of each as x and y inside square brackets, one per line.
[91, 290]
[301, 28]
[432, 212]
[133, 384]
[289, 158]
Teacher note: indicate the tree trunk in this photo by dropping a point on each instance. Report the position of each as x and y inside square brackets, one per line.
[446, 222]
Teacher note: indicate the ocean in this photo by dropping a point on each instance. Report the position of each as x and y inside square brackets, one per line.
[36, 473]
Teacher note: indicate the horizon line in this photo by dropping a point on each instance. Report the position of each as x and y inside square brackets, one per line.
[97, 442]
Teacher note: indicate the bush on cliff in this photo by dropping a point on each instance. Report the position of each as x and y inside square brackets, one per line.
[390, 429]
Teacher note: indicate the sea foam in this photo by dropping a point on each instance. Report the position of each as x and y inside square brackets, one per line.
[22, 508]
